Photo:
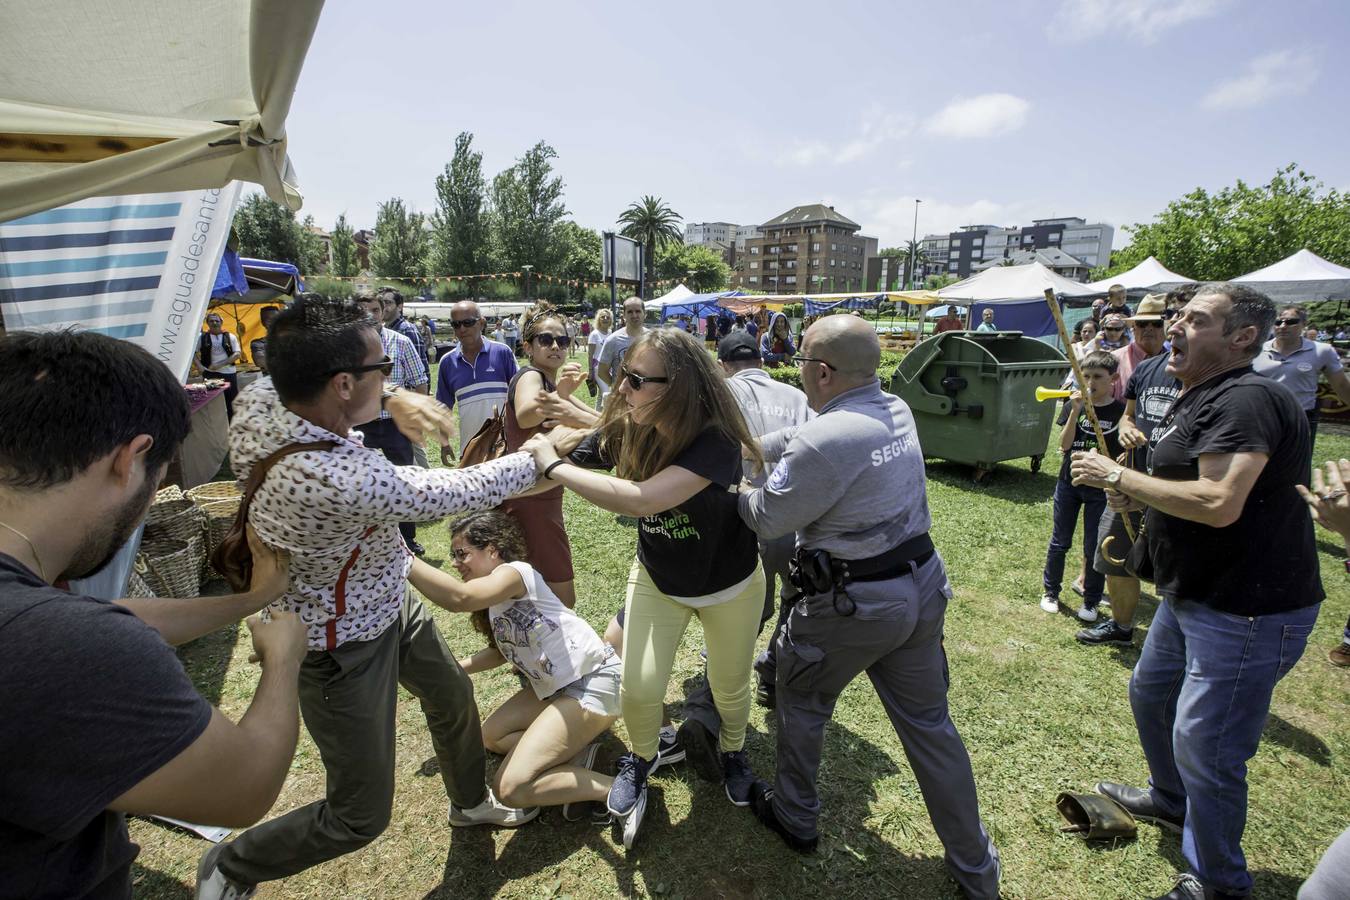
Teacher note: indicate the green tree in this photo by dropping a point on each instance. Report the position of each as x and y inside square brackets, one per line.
[700, 268]
[527, 208]
[268, 230]
[459, 226]
[400, 244]
[1242, 228]
[580, 254]
[346, 262]
[653, 223]
[313, 253]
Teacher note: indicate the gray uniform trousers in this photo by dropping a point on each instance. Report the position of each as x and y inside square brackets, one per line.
[775, 555]
[895, 636]
[348, 698]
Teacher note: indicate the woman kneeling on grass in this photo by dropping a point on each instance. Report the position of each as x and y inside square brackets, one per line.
[545, 730]
[673, 434]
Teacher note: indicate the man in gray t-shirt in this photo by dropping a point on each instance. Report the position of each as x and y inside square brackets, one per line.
[1299, 363]
[610, 361]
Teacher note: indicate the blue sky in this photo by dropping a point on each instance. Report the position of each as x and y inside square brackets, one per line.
[988, 112]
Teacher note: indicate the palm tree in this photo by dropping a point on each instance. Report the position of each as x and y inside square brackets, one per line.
[653, 223]
[913, 261]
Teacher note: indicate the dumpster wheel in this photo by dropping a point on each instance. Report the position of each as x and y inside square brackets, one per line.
[1036, 462]
[980, 472]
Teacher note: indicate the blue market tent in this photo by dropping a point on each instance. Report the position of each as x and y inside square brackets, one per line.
[820, 307]
[693, 305]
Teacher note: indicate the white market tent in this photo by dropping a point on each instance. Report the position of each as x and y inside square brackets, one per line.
[1148, 274]
[675, 297]
[1303, 277]
[1008, 284]
[145, 96]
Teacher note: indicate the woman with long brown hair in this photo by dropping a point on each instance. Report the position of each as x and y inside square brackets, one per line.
[673, 434]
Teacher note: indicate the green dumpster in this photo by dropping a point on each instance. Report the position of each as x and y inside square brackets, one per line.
[973, 395]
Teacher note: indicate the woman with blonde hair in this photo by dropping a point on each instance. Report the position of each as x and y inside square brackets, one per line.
[604, 321]
[673, 435]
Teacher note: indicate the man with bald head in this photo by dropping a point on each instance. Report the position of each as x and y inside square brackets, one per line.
[850, 484]
[475, 374]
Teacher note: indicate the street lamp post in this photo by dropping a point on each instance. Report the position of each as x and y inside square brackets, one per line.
[527, 269]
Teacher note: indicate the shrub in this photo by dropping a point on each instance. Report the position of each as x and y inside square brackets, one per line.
[793, 376]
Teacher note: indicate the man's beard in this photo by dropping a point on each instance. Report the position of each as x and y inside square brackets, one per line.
[108, 536]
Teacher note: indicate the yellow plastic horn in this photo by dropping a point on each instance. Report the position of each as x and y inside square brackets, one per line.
[1044, 394]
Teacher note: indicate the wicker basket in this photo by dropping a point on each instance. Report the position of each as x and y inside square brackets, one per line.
[212, 491]
[136, 586]
[220, 515]
[172, 492]
[171, 568]
[174, 519]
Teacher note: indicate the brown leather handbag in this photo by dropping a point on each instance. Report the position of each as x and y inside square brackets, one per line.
[488, 443]
[233, 558]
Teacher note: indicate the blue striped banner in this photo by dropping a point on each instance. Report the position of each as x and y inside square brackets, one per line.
[121, 331]
[68, 214]
[85, 239]
[84, 264]
[85, 313]
[87, 289]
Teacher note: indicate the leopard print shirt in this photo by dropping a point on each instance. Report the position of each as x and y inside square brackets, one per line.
[337, 513]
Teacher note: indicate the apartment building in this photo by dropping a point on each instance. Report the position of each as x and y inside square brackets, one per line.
[809, 249]
[963, 252]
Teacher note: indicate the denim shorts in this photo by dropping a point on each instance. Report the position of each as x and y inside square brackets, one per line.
[598, 692]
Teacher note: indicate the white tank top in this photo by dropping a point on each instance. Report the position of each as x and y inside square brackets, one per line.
[546, 642]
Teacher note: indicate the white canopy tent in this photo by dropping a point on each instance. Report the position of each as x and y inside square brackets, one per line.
[1148, 274]
[675, 297]
[1008, 284]
[1302, 277]
[146, 96]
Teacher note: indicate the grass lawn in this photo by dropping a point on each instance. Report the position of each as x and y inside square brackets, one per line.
[1039, 714]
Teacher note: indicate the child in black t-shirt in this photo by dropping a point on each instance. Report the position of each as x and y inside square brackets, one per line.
[1099, 371]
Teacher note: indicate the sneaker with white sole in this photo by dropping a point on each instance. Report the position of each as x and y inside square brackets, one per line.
[575, 811]
[1107, 631]
[1087, 613]
[1050, 603]
[213, 884]
[630, 784]
[738, 777]
[668, 751]
[491, 812]
[632, 822]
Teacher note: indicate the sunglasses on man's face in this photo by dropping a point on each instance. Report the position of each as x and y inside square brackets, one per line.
[1148, 324]
[1288, 323]
[1113, 330]
[548, 340]
[385, 367]
[636, 381]
[463, 323]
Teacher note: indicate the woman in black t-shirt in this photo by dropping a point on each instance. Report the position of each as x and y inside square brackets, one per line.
[674, 435]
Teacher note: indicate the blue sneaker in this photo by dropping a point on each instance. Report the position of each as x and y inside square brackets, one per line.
[738, 777]
[630, 784]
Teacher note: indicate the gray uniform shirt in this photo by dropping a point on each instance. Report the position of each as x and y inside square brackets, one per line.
[768, 406]
[850, 481]
[1300, 370]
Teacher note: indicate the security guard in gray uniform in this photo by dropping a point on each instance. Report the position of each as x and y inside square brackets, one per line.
[851, 484]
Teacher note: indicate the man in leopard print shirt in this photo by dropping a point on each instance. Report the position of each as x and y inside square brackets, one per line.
[337, 513]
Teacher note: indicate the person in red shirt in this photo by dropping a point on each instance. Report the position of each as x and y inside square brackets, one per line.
[950, 322]
[1147, 325]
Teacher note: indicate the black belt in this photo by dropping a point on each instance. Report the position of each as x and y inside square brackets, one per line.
[892, 563]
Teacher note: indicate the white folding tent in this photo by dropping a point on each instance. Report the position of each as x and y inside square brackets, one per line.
[1148, 274]
[146, 96]
[1005, 284]
[674, 297]
[1302, 277]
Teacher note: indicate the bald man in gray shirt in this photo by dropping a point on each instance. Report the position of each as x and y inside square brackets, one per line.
[850, 483]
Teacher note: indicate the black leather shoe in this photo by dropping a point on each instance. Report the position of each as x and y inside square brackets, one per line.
[761, 803]
[1140, 804]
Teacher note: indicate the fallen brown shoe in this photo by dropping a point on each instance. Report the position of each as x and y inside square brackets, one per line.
[1340, 656]
[1094, 817]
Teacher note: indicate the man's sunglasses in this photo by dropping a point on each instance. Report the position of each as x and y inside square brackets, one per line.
[1113, 329]
[384, 367]
[1288, 322]
[1146, 324]
[636, 381]
[548, 340]
[463, 323]
[798, 360]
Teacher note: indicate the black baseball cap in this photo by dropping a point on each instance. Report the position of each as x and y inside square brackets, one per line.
[738, 347]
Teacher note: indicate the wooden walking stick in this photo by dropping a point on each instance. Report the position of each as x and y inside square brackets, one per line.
[1082, 386]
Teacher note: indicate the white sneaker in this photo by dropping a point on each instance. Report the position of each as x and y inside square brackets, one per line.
[491, 812]
[212, 883]
[572, 812]
[1050, 603]
[1087, 614]
[633, 822]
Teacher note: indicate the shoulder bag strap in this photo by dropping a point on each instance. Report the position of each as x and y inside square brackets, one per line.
[259, 473]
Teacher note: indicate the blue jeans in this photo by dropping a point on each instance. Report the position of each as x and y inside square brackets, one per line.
[1200, 693]
[1068, 501]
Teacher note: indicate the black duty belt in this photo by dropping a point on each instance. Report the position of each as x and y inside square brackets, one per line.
[892, 563]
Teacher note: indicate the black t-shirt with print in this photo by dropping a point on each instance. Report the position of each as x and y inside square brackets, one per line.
[702, 546]
[93, 701]
[1265, 562]
[1152, 388]
[1085, 438]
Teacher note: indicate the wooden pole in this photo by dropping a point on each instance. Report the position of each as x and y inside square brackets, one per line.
[1082, 386]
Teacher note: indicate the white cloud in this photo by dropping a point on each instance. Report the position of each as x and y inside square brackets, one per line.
[1282, 73]
[979, 117]
[1143, 20]
[877, 129]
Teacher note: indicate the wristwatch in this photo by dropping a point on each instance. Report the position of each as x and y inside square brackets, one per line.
[1113, 477]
